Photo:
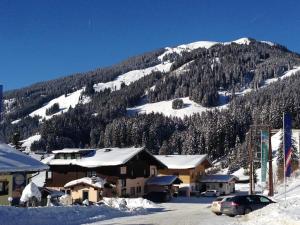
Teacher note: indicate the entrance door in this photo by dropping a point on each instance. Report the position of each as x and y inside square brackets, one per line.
[85, 195]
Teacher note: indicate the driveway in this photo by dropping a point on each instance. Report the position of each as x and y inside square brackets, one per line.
[180, 211]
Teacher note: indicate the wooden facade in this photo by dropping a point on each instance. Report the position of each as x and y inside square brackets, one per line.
[129, 178]
[189, 176]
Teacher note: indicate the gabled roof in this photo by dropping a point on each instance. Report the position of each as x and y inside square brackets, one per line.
[72, 150]
[182, 161]
[95, 182]
[12, 160]
[163, 180]
[218, 178]
[100, 157]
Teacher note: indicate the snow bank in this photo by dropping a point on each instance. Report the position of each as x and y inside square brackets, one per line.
[31, 190]
[75, 215]
[280, 213]
[130, 204]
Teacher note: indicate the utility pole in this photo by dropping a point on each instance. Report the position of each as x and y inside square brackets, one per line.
[250, 162]
[271, 188]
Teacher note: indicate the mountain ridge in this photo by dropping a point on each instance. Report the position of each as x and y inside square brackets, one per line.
[201, 75]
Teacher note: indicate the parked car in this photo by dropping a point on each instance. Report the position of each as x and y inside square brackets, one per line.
[216, 204]
[241, 205]
[211, 193]
[159, 196]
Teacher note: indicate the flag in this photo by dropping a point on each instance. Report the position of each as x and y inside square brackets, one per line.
[288, 144]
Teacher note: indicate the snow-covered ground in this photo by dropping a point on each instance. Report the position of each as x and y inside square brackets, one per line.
[75, 215]
[165, 107]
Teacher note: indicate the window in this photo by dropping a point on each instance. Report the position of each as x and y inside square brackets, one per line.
[85, 195]
[153, 171]
[77, 156]
[220, 185]
[123, 183]
[138, 189]
[92, 173]
[132, 191]
[123, 170]
[49, 174]
[68, 156]
[123, 192]
[3, 188]
[264, 200]
[68, 192]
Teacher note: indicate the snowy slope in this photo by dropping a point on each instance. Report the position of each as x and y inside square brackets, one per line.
[285, 75]
[28, 142]
[205, 44]
[72, 99]
[65, 102]
[165, 107]
[132, 76]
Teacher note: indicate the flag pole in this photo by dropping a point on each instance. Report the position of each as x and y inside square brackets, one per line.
[261, 161]
[284, 162]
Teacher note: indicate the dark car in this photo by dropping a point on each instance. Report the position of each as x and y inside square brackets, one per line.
[158, 196]
[241, 205]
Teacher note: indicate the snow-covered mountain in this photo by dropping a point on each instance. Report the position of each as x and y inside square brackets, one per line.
[207, 76]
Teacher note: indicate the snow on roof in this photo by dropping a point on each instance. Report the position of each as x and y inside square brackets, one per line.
[31, 190]
[182, 161]
[163, 180]
[217, 178]
[12, 160]
[95, 182]
[99, 157]
[72, 150]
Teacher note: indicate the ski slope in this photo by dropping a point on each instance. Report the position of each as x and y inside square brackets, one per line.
[165, 107]
[132, 76]
[65, 102]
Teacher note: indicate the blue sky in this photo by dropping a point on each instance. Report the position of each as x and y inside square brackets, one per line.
[42, 40]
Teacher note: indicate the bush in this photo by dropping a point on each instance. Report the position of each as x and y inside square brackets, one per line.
[177, 104]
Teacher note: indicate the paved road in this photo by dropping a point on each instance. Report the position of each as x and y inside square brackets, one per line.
[181, 211]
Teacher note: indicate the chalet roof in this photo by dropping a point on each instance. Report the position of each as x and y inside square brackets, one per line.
[218, 178]
[182, 161]
[163, 180]
[71, 150]
[99, 157]
[95, 182]
[12, 160]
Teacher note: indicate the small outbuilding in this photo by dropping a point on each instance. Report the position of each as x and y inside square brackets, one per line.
[16, 169]
[162, 183]
[225, 184]
[92, 189]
